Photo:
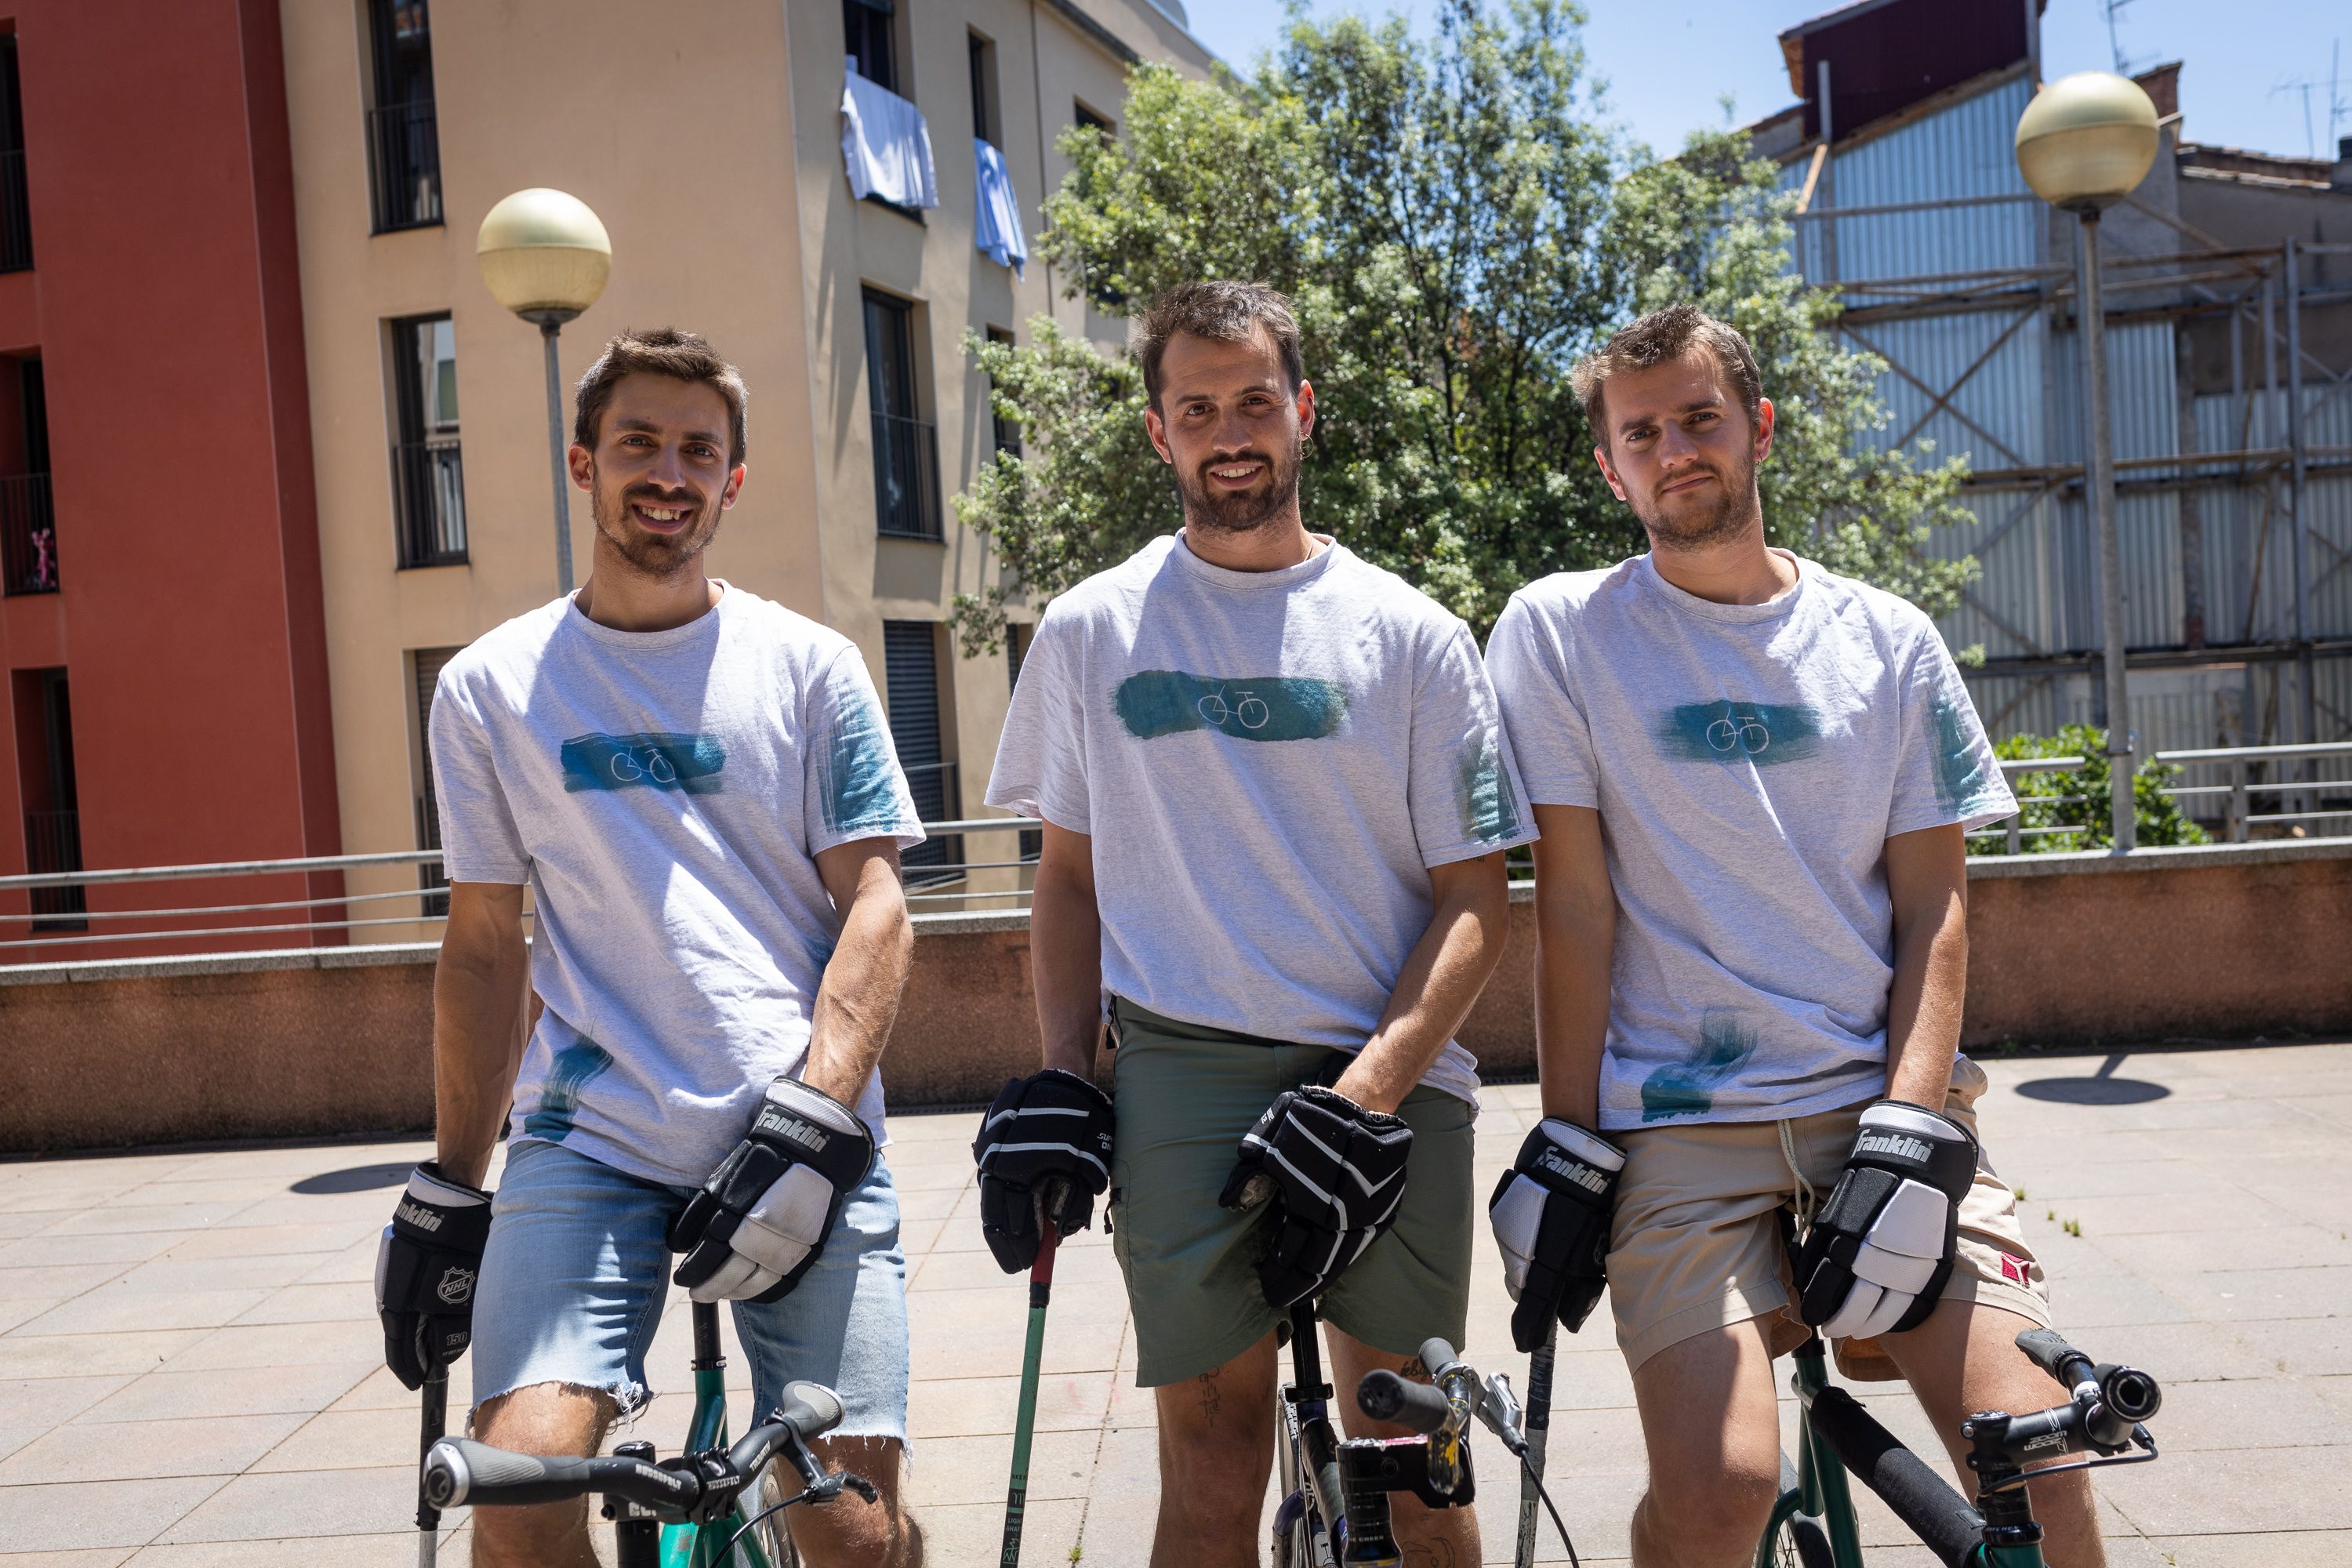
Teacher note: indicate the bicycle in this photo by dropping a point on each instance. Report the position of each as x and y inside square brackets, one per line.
[1813, 1522]
[685, 1512]
[1334, 1511]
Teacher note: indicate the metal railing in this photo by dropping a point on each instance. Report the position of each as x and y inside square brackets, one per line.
[28, 535]
[2297, 800]
[404, 143]
[16, 215]
[429, 493]
[53, 844]
[907, 477]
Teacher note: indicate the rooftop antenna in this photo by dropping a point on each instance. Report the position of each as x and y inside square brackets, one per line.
[2339, 108]
[2114, 8]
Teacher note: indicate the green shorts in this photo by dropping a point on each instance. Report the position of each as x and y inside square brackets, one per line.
[1185, 1094]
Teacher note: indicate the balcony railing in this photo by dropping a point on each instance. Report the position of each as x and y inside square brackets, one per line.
[429, 490]
[53, 846]
[28, 535]
[16, 215]
[405, 165]
[936, 795]
[907, 477]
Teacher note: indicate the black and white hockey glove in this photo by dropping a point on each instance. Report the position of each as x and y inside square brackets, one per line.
[1878, 1254]
[1336, 1173]
[1044, 1153]
[1550, 1214]
[425, 1267]
[758, 1222]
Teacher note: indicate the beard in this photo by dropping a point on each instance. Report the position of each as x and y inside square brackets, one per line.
[1214, 510]
[1695, 522]
[659, 555]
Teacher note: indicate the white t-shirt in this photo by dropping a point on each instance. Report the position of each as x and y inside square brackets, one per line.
[1269, 763]
[1750, 763]
[664, 795]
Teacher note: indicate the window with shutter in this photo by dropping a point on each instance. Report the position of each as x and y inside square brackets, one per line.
[911, 683]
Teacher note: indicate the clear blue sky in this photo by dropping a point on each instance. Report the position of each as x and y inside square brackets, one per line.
[1669, 63]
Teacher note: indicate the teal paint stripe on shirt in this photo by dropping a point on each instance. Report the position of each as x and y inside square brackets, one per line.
[1156, 702]
[648, 758]
[1764, 733]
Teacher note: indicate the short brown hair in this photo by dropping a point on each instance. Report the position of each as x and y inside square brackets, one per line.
[1222, 310]
[1661, 336]
[665, 351]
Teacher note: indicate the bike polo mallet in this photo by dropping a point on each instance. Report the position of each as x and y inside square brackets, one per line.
[436, 1420]
[1537, 1424]
[1041, 1290]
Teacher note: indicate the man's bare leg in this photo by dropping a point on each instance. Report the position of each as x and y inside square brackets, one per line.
[544, 1418]
[1711, 1423]
[1429, 1538]
[1964, 1359]
[849, 1532]
[1216, 1450]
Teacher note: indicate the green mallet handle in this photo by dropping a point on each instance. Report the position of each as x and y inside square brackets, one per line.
[436, 1420]
[1017, 1493]
[1536, 1422]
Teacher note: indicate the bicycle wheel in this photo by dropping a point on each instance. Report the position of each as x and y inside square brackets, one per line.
[1290, 1527]
[1801, 1542]
[770, 1536]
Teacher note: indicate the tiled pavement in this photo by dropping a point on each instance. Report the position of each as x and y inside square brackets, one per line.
[195, 1330]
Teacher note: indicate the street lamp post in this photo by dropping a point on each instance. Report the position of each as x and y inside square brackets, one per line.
[2083, 143]
[545, 257]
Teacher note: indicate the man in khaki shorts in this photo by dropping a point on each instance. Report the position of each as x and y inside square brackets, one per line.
[1277, 797]
[1753, 778]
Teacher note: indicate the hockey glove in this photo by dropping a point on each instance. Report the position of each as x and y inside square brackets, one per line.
[425, 1267]
[758, 1222]
[1044, 1153]
[1550, 1214]
[1877, 1258]
[1336, 1173]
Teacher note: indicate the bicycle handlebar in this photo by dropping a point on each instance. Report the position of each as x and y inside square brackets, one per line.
[1417, 1407]
[1928, 1504]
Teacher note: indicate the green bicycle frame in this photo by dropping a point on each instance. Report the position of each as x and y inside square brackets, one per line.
[694, 1545]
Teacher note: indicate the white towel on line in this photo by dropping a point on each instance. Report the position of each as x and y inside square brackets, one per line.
[885, 144]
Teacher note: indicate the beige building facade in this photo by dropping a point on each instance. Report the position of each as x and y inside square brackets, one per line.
[708, 137]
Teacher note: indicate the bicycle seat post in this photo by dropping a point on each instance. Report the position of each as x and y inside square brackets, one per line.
[1306, 1360]
[636, 1534]
[707, 1357]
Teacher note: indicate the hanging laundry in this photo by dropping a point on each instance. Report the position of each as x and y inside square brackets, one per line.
[885, 144]
[996, 226]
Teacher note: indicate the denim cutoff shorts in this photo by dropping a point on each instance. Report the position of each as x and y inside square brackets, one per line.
[576, 1275]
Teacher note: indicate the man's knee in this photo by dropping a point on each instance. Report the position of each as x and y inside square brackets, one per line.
[849, 1529]
[544, 1418]
[1713, 1509]
[1217, 1474]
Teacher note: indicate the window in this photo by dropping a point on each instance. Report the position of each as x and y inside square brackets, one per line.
[28, 518]
[403, 139]
[44, 774]
[906, 445]
[1016, 648]
[428, 477]
[911, 677]
[1099, 123]
[983, 89]
[867, 24]
[1008, 431]
[15, 205]
[426, 664]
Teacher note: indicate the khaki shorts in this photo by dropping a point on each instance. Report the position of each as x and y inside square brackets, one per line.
[1185, 1094]
[1696, 1245]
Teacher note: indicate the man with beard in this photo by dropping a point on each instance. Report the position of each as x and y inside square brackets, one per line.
[698, 788]
[1754, 778]
[1276, 799]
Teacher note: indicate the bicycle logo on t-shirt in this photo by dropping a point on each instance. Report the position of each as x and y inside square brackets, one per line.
[1744, 731]
[641, 763]
[1249, 710]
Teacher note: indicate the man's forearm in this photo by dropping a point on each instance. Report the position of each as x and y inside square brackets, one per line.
[1065, 964]
[477, 1040]
[1923, 1009]
[1441, 980]
[858, 1001]
[1572, 965]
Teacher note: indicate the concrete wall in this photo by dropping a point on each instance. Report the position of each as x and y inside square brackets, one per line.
[2222, 942]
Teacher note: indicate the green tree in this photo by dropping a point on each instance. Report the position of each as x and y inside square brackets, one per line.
[2077, 803]
[1456, 220]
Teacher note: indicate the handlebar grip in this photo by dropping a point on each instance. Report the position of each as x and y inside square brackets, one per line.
[1436, 1355]
[810, 1409]
[1385, 1396]
[460, 1470]
[2053, 1355]
[1918, 1496]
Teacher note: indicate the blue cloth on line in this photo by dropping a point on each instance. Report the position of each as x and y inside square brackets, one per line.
[885, 144]
[996, 223]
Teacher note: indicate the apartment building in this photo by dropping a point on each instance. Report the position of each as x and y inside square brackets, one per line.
[709, 140]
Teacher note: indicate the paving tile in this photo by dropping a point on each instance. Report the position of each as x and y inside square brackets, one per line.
[101, 1514]
[348, 1440]
[25, 1221]
[111, 1220]
[361, 1211]
[973, 1534]
[379, 1390]
[138, 1450]
[112, 1307]
[2311, 1347]
[985, 1349]
[176, 1273]
[2267, 1549]
[68, 1355]
[167, 1396]
[391, 1551]
[2238, 1490]
[2263, 1293]
[56, 1281]
[262, 1240]
[354, 1265]
[2267, 1413]
[2165, 1255]
[973, 1407]
[339, 1302]
[976, 1469]
[125, 1247]
[377, 1501]
[30, 1406]
[13, 1314]
[95, 1557]
[354, 1342]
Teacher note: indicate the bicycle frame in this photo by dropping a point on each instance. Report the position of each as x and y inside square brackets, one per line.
[693, 1545]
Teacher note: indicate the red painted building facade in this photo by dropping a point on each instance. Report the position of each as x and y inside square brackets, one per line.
[162, 624]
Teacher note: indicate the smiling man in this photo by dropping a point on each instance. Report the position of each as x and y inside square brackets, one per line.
[1754, 778]
[1276, 797]
[699, 791]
